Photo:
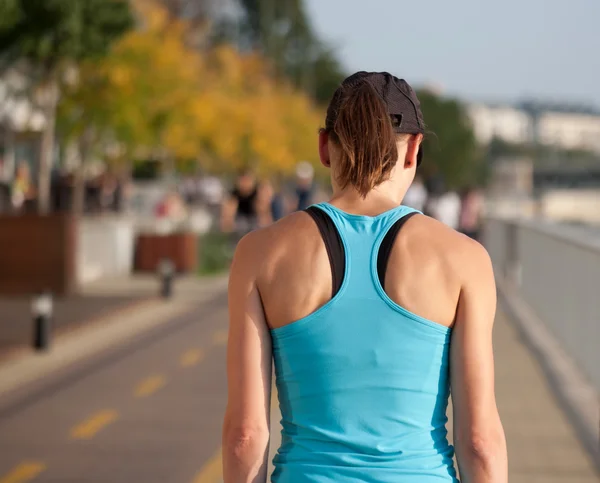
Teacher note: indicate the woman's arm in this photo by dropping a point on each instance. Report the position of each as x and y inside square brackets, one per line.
[478, 433]
[246, 425]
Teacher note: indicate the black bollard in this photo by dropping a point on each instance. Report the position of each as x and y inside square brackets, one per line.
[42, 321]
[166, 272]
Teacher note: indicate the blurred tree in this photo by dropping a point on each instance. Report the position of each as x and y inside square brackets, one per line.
[196, 13]
[48, 38]
[157, 97]
[248, 118]
[136, 97]
[450, 147]
[283, 32]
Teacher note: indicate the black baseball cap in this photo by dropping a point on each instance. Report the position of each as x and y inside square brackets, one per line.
[398, 96]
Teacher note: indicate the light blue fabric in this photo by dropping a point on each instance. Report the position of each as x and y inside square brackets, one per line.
[363, 383]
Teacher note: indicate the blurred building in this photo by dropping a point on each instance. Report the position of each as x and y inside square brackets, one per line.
[504, 122]
[512, 177]
[563, 126]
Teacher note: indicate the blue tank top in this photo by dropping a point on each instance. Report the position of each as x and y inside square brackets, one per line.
[363, 383]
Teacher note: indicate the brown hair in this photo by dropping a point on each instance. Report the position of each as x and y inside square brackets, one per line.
[359, 123]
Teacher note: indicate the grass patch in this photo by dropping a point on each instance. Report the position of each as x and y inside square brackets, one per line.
[215, 253]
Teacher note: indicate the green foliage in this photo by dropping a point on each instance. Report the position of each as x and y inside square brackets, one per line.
[51, 32]
[215, 253]
[9, 13]
[450, 146]
[282, 30]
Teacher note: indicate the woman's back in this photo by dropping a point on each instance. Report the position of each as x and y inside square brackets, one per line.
[362, 380]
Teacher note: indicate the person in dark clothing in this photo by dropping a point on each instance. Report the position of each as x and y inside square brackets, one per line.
[239, 212]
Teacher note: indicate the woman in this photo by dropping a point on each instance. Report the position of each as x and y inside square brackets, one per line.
[370, 311]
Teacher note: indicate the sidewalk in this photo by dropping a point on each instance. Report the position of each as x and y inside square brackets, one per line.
[101, 333]
[542, 444]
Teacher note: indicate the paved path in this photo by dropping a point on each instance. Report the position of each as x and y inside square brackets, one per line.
[542, 446]
[148, 411]
[151, 409]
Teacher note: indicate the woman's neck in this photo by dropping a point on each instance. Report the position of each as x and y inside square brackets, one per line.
[377, 200]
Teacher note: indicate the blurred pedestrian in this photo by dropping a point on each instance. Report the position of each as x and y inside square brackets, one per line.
[304, 185]
[370, 312]
[239, 209]
[471, 213]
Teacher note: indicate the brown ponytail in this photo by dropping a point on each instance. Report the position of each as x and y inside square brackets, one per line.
[362, 128]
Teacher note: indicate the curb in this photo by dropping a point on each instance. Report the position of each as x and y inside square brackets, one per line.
[577, 397]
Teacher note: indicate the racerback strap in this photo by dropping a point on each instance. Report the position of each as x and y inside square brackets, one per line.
[387, 243]
[333, 245]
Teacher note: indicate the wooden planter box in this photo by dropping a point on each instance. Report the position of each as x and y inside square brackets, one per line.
[38, 253]
[180, 248]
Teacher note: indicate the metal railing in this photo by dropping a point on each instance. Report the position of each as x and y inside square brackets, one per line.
[557, 273]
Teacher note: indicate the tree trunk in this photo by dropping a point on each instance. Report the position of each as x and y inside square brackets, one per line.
[47, 147]
[84, 145]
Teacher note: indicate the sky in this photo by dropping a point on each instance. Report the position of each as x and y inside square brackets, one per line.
[491, 51]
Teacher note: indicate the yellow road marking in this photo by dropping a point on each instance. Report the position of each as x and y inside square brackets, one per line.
[94, 424]
[150, 385]
[220, 337]
[24, 472]
[191, 357]
[212, 471]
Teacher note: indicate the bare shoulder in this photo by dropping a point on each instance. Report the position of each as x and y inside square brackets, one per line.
[466, 255]
[265, 245]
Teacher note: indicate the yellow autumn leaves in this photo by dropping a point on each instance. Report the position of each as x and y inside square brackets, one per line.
[154, 95]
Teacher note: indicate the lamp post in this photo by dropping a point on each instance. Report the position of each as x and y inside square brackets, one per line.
[41, 309]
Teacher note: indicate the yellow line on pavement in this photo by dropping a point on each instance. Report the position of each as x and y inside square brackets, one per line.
[220, 337]
[24, 472]
[212, 471]
[94, 424]
[150, 385]
[191, 357]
